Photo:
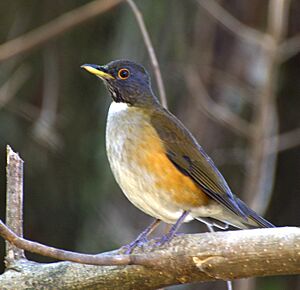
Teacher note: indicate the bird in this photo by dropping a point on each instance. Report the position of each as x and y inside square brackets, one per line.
[158, 163]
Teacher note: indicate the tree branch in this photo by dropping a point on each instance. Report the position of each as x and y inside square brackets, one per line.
[284, 141]
[289, 140]
[213, 109]
[289, 48]
[59, 254]
[54, 28]
[243, 31]
[14, 203]
[261, 168]
[188, 258]
[10, 88]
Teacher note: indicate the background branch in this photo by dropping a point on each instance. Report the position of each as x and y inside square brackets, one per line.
[262, 163]
[44, 129]
[289, 139]
[147, 40]
[9, 89]
[213, 109]
[289, 48]
[54, 28]
[243, 31]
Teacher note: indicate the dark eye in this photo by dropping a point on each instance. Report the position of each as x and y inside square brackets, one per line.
[123, 73]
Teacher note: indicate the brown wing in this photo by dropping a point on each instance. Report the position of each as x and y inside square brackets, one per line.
[188, 156]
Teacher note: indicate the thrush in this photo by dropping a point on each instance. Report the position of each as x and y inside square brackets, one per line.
[159, 165]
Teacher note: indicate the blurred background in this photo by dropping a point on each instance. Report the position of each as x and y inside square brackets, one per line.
[231, 71]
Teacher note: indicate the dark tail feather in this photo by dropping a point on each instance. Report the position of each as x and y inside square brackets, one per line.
[253, 216]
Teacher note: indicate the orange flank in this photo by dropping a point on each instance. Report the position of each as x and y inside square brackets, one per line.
[150, 154]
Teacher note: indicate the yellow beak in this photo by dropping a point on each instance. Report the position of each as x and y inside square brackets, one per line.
[97, 71]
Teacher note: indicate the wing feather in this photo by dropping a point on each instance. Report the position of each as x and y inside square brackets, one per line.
[189, 157]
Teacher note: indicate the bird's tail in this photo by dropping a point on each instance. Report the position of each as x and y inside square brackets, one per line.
[248, 219]
[254, 220]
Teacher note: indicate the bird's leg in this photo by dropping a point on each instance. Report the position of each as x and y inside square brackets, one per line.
[142, 237]
[168, 237]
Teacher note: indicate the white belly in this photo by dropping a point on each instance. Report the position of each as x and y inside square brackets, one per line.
[136, 182]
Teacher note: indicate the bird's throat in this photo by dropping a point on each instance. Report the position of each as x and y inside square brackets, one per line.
[116, 108]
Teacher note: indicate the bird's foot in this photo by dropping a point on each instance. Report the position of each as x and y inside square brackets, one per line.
[165, 239]
[139, 242]
[170, 235]
[142, 238]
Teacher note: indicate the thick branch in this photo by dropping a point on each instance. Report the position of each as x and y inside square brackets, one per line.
[188, 258]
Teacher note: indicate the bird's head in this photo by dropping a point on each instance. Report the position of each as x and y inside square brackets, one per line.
[126, 81]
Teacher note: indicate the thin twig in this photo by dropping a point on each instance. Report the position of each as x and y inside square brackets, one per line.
[243, 31]
[14, 203]
[59, 254]
[287, 140]
[23, 109]
[54, 28]
[139, 17]
[10, 88]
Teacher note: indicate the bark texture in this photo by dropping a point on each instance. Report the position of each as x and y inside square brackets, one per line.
[187, 259]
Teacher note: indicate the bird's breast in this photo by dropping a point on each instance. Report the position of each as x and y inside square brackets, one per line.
[142, 169]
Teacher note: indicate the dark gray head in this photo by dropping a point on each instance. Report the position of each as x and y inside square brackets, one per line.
[126, 81]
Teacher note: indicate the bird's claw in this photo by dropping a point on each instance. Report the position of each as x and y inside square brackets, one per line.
[135, 244]
[163, 240]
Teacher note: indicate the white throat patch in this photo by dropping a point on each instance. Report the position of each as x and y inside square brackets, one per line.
[116, 108]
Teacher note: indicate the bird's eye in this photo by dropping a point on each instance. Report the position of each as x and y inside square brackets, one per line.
[123, 73]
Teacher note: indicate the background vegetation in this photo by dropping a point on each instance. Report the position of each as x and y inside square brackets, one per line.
[222, 78]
